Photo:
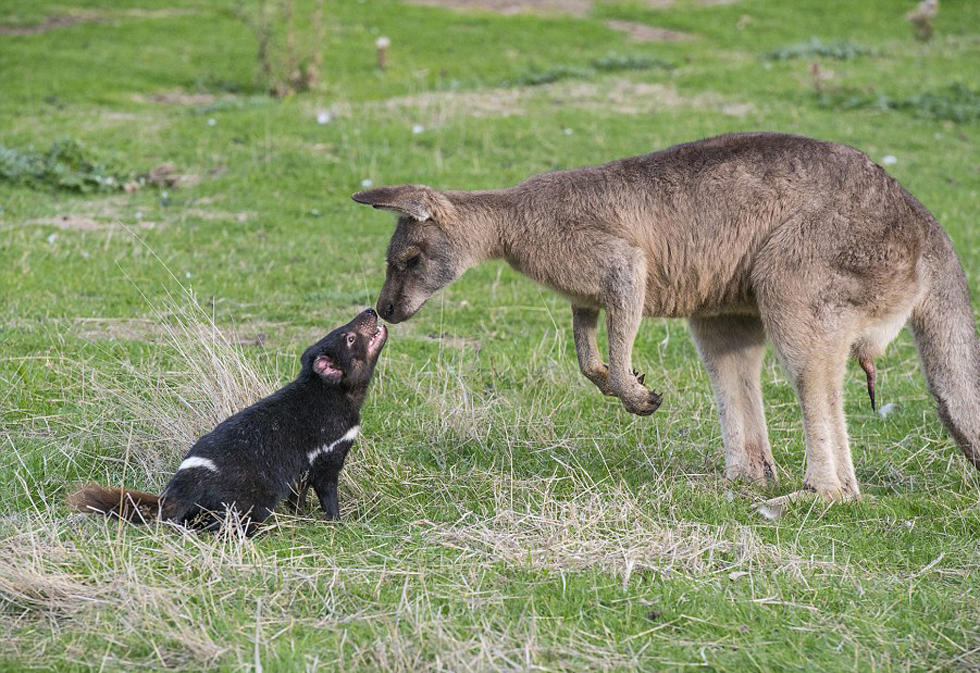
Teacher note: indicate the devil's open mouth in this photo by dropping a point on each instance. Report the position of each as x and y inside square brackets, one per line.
[378, 339]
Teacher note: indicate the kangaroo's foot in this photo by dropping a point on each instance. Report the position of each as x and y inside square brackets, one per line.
[599, 376]
[752, 465]
[640, 400]
[774, 508]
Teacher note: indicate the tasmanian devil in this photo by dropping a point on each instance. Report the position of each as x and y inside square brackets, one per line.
[257, 457]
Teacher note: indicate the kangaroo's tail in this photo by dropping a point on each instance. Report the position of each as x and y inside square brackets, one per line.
[133, 506]
[945, 334]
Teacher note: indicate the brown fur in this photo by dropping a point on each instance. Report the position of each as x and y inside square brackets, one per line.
[750, 236]
[133, 506]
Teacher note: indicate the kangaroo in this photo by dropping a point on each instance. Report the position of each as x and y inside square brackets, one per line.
[274, 449]
[753, 236]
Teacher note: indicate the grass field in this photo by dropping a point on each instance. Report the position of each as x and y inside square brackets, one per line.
[499, 513]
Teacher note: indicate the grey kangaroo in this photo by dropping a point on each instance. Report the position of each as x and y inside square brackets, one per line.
[749, 236]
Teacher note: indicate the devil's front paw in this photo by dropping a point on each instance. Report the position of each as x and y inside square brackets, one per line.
[642, 403]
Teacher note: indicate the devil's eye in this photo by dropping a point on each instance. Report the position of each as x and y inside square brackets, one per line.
[351, 339]
[413, 261]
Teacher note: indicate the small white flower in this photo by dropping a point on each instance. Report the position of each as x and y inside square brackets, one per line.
[417, 129]
[887, 409]
[52, 238]
[382, 42]
[187, 275]
[889, 160]
[138, 215]
[212, 121]
[567, 132]
[322, 117]
[367, 182]
[84, 254]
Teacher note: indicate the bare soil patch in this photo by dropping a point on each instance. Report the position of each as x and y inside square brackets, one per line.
[619, 95]
[65, 20]
[487, 103]
[641, 32]
[178, 97]
[74, 222]
[51, 23]
[627, 97]
[150, 330]
[507, 7]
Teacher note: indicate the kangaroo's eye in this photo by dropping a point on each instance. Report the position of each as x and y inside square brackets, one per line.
[413, 261]
[351, 339]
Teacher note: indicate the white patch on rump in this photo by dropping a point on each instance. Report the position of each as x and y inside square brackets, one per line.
[350, 436]
[197, 461]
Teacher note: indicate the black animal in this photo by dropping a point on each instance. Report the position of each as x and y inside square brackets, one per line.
[262, 454]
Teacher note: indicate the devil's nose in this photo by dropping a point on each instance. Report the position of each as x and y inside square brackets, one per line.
[386, 310]
[371, 312]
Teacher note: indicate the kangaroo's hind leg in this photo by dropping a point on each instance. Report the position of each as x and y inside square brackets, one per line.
[585, 322]
[732, 349]
[815, 367]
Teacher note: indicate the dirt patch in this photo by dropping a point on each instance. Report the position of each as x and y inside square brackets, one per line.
[488, 103]
[508, 7]
[628, 97]
[618, 95]
[150, 330]
[641, 32]
[66, 20]
[158, 13]
[85, 223]
[217, 215]
[166, 175]
[51, 23]
[178, 98]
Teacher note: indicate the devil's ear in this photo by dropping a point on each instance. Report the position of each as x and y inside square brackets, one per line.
[416, 201]
[327, 369]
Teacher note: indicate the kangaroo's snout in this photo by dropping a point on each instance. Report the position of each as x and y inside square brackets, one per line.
[387, 311]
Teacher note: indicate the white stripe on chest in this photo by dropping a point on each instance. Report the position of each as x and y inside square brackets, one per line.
[328, 448]
[197, 461]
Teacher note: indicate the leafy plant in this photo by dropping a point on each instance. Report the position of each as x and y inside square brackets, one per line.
[611, 63]
[839, 50]
[66, 165]
[955, 102]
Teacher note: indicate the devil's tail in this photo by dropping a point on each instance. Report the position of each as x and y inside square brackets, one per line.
[132, 506]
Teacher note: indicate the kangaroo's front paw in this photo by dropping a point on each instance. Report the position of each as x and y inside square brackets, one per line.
[641, 401]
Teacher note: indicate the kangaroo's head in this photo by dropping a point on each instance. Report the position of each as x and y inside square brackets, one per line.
[346, 357]
[424, 255]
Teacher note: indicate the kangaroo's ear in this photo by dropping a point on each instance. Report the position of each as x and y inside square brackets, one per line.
[417, 201]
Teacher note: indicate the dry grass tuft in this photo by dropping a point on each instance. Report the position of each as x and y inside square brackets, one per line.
[601, 529]
[155, 413]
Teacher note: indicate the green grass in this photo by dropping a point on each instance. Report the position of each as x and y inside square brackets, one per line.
[499, 513]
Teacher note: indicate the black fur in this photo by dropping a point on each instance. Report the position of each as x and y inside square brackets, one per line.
[261, 453]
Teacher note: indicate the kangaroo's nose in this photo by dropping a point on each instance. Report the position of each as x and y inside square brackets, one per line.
[387, 311]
